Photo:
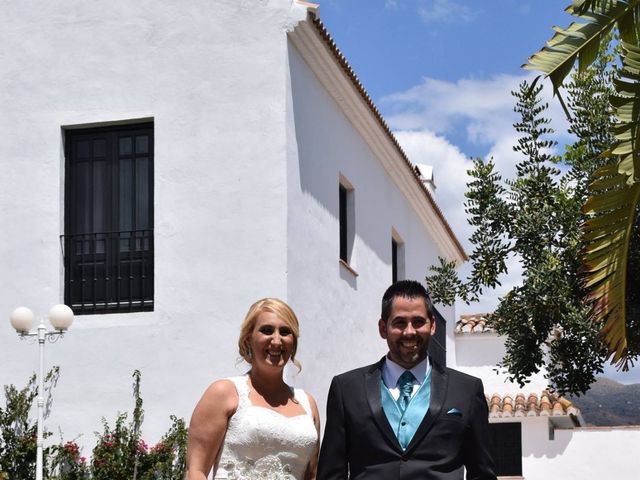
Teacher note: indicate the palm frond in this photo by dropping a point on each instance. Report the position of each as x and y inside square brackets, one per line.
[581, 40]
[615, 190]
[607, 234]
[626, 105]
[612, 204]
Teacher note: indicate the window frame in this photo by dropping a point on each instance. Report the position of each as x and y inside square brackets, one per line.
[346, 222]
[397, 257]
[123, 260]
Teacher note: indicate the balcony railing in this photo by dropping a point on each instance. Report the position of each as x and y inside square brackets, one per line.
[108, 272]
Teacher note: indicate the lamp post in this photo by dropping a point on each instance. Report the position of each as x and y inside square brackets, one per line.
[61, 318]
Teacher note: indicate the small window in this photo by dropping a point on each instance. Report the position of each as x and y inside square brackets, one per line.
[438, 343]
[394, 261]
[346, 219]
[108, 240]
[506, 442]
[397, 257]
[344, 224]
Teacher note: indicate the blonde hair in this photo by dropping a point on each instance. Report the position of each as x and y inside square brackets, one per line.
[282, 311]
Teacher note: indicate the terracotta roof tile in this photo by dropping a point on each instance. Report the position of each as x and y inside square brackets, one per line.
[344, 64]
[546, 404]
[474, 323]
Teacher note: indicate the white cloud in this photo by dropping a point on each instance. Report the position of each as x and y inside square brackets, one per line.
[444, 11]
[449, 166]
[485, 106]
[426, 116]
[391, 4]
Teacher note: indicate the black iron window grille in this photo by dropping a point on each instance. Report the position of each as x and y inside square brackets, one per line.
[108, 242]
[506, 447]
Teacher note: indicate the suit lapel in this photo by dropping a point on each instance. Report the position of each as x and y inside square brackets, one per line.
[373, 379]
[439, 380]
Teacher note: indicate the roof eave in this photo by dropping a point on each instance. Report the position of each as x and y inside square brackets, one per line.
[314, 43]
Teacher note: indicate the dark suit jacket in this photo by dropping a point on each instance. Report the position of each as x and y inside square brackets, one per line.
[360, 444]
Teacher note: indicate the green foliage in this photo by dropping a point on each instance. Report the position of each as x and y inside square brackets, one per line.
[614, 196]
[489, 218]
[119, 448]
[120, 452]
[536, 219]
[18, 432]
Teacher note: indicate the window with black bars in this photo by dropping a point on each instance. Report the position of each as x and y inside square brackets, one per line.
[108, 240]
[506, 443]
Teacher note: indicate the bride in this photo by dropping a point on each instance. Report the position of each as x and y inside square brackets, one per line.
[255, 426]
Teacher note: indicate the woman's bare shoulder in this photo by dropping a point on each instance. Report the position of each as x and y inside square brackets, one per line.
[313, 404]
[221, 393]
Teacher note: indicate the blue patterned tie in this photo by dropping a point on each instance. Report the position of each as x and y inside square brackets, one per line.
[405, 384]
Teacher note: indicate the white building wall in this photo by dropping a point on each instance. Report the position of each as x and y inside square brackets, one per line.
[598, 452]
[339, 310]
[478, 354]
[212, 76]
[591, 452]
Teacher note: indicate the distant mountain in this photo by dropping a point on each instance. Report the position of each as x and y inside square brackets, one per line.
[609, 403]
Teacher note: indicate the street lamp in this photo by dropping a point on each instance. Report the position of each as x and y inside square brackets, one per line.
[61, 317]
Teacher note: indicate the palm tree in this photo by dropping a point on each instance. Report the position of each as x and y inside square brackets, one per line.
[615, 191]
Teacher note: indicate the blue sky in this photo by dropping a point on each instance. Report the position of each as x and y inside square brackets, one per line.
[400, 46]
[441, 72]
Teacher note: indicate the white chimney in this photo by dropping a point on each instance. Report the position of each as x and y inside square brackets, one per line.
[426, 175]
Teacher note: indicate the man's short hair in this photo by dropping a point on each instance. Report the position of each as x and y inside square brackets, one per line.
[407, 289]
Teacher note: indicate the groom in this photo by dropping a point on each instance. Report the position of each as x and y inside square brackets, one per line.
[406, 417]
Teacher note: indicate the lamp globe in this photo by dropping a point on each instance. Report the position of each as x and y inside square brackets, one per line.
[61, 317]
[21, 319]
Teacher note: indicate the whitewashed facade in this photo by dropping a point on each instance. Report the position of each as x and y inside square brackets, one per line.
[256, 122]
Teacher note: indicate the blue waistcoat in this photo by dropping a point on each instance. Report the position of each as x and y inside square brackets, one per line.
[405, 425]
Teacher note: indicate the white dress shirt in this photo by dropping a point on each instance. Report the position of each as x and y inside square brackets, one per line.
[391, 372]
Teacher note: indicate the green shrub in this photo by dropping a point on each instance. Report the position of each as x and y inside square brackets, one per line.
[18, 432]
[120, 452]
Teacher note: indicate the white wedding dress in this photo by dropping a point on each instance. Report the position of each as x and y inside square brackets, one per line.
[260, 443]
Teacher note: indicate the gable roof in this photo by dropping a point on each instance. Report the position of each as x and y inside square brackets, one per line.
[310, 42]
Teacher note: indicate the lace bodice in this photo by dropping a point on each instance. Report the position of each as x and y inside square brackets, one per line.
[260, 443]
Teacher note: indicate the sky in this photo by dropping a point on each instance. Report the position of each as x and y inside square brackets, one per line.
[441, 73]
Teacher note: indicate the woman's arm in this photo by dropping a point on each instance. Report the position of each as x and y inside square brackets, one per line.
[310, 474]
[208, 427]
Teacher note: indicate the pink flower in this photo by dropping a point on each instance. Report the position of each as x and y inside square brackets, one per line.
[143, 447]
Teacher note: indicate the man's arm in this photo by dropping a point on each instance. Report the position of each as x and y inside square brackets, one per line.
[333, 464]
[477, 449]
